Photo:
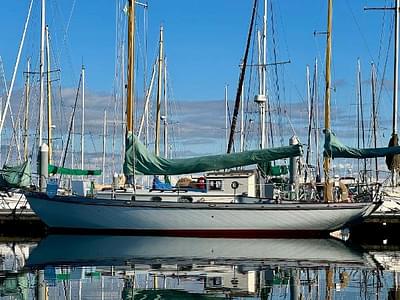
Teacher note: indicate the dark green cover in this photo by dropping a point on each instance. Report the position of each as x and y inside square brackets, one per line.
[18, 176]
[67, 171]
[335, 149]
[143, 162]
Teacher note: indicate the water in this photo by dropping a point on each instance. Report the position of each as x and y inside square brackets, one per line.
[130, 267]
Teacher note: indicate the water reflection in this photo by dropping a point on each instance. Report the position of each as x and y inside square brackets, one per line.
[126, 267]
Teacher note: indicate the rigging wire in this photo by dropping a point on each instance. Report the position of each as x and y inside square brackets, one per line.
[279, 107]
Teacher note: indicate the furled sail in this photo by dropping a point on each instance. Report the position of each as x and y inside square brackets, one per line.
[18, 176]
[138, 159]
[335, 149]
[67, 171]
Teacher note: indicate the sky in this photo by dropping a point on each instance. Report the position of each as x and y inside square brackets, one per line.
[204, 46]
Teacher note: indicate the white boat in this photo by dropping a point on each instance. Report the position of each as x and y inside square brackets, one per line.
[210, 213]
[197, 218]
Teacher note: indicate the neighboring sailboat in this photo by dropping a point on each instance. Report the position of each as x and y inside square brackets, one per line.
[237, 214]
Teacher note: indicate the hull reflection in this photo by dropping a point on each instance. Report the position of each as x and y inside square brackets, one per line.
[122, 250]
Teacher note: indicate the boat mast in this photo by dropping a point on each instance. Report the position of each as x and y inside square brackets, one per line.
[394, 165]
[327, 159]
[310, 121]
[241, 79]
[361, 115]
[41, 70]
[104, 144]
[73, 143]
[159, 89]
[396, 68]
[242, 122]
[316, 100]
[83, 119]
[374, 121]
[165, 117]
[49, 116]
[26, 120]
[130, 77]
[9, 92]
[226, 115]
[261, 98]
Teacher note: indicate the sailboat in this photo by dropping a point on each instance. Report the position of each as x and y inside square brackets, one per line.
[238, 214]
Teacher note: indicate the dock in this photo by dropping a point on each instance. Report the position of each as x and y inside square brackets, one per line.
[379, 228]
[21, 221]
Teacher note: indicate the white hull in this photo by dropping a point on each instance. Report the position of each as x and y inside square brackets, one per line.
[198, 218]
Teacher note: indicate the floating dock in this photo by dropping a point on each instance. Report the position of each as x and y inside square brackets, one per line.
[21, 221]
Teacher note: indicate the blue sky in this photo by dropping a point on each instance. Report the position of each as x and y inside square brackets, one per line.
[204, 39]
[204, 44]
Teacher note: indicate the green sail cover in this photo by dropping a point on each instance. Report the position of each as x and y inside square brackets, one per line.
[66, 171]
[335, 149]
[139, 159]
[16, 176]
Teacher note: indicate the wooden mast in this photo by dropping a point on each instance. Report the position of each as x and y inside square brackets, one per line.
[159, 90]
[49, 116]
[130, 77]
[327, 159]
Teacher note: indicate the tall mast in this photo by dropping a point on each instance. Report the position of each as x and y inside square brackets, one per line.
[226, 115]
[73, 143]
[165, 111]
[394, 165]
[327, 160]
[310, 121]
[374, 125]
[241, 79]
[316, 100]
[130, 77]
[26, 118]
[83, 119]
[104, 144]
[264, 74]
[261, 98]
[49, 116]
[159, 89]
[396, 67]
[41, 71]
[242, 122]
[361, 114]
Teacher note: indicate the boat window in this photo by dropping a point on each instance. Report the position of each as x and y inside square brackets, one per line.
[215, 184]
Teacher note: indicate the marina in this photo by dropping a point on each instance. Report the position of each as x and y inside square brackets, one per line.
[201, 150]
